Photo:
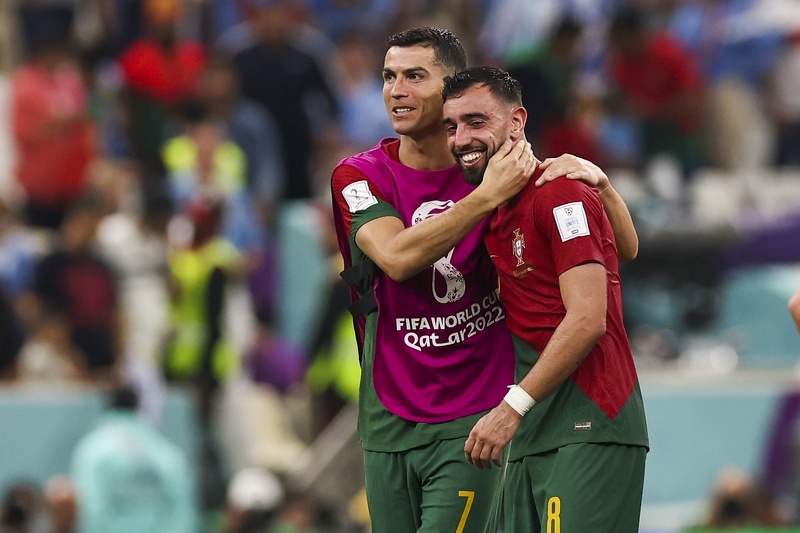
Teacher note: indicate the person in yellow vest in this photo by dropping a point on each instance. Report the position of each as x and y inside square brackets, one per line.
[199, 350]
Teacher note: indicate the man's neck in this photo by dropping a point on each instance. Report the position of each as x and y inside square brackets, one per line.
[426, 153]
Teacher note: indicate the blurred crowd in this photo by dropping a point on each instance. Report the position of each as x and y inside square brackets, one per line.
[157, 142]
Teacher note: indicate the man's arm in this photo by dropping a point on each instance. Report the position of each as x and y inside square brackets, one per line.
[402, 252]
[573, 167]
[583, 291]
[794, 308]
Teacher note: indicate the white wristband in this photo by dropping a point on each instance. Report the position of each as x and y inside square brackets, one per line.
[519, 399]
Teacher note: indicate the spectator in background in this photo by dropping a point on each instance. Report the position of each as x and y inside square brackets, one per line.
[160, 71]
[201, 162]
[337, 18]
[61, 502]
[37, 18]
[784, 102]
[21, 509]
[12, 337]
[300, 513]
[334, 367]
[794, 308]
[290, 83]
[735, 51]
[251, 127]
[273, 360]
[19, 248]
[129, 478]
[514, 24]
[660, 87]
[557, 111]
[199, 349]
[74, 284]
[363, 118]
[253, 499]
[133, 239]
[49, 357]
[738, 504]
[52, 134]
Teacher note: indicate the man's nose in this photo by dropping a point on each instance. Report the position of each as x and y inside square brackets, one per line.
[461, 136]
[399, 87]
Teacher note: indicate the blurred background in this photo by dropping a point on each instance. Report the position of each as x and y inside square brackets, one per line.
[175, 353]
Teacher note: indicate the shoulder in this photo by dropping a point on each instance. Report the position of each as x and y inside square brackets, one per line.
[562, 190]
[346, 173]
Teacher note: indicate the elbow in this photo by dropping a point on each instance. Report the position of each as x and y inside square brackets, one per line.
[398, 270]
[593, 328]
[397, 275]
[628, 253]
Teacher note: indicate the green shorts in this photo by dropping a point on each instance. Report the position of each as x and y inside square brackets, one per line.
[577, 488]
[431, 489]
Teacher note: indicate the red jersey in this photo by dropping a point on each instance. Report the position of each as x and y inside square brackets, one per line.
[534, 238]
[165, 76]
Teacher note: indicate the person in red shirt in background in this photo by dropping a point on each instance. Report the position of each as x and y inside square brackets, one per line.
[51, 130]
[661, 85]
[160, 71]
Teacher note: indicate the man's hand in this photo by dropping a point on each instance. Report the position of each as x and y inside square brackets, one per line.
[508, 171]
[490, 435]
[574, 168]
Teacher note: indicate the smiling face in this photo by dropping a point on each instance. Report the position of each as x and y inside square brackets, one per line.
[477, 124]
[412, 90]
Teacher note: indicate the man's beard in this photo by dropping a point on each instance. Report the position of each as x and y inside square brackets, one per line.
[473, 175]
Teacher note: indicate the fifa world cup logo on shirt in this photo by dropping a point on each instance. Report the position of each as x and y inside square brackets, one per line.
[453, 278]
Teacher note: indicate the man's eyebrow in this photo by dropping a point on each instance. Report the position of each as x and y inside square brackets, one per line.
[407, 72]
[471, 116]
[466, 117]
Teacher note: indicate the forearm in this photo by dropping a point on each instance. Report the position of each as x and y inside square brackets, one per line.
[584, 293]
[621, 223]
[403, 252]
[571, 342]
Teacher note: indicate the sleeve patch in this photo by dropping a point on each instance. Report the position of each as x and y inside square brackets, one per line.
[571, 221]
[358, 196]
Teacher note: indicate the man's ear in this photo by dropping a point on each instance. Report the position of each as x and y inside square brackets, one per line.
[519, 116]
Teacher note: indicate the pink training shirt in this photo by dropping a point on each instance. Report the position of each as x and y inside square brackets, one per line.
[443, 350]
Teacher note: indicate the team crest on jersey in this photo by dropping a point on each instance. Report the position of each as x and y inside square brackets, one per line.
[518, 247]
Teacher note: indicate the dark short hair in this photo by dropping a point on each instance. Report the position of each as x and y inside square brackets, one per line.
[500, 83]
[123, 398]
[627, 19]
[447, 49]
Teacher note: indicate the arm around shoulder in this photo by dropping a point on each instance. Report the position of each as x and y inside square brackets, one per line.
[577, 168]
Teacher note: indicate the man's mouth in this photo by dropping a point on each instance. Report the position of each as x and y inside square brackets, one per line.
[399, 111]
[470, 158]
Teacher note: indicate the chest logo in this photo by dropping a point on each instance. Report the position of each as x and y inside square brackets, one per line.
[454, 286]
[518, 245]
